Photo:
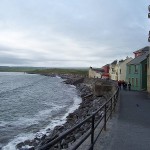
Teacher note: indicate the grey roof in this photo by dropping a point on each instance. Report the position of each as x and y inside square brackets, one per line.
[142, 49]
[98, 69]
[139, 59]
[114, 62]
[120, 61]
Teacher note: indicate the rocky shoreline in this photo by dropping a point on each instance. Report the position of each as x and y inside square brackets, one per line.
[90, 103]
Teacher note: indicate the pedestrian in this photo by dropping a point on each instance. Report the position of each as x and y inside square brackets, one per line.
[129, 86]
[119, 84]
[124, 85]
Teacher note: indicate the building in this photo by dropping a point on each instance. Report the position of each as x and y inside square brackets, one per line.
[113, 70]
[148, 72]
[95, 72]
[105, 74]
[122, 66]
[106, 68]
[136, 72]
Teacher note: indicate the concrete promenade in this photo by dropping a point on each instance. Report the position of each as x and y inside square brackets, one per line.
[130, 129]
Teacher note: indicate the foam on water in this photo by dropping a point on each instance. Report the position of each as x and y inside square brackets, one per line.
[20, 138]
[57, 121]
[3, 123]
[50, 110]
[61, 120]
[58, 77]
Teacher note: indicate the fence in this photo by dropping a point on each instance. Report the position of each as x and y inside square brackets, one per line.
[99, 116]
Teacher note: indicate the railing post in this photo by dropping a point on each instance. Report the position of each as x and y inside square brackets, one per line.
[114, 97]
[92, 131]
[105, 115]
[111, 108]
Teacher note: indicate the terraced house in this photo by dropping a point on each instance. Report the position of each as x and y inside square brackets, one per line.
[95, 72]
[148, 72]
[122, 68]
[137, 70]
[113, 70]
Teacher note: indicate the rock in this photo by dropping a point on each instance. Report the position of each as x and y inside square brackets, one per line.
[19, 146]
[78, 135]
[89, 90]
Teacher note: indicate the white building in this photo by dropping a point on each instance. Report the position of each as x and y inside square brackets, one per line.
[113, 70]
[122, 68]
[95, 72]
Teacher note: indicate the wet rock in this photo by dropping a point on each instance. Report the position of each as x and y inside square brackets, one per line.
[90, 103]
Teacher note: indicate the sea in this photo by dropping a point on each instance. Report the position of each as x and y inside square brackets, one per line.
[30, 104]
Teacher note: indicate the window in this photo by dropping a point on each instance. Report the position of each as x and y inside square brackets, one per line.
[136, 81]
[132, 81]
[136, 68]
[129, 69]
[120, 71]
[129, 80]
[145, 68]
[113, 70]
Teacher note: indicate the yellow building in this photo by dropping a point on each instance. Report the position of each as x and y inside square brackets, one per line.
[122, 67]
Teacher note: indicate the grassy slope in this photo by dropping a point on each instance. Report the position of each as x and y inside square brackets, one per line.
[40, 70]
[83, 72]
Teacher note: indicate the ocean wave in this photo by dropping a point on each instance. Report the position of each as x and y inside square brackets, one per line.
[18, 139]
[50, 101]
[21, 87]
[3, 124]
[59, 120]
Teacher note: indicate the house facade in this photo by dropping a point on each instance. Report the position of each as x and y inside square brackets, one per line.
[105, 74]
[113, 70]
[136, 72]
[122, 67]
[148, 72]
[95, 72]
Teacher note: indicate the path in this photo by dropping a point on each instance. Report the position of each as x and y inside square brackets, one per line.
[131, 129]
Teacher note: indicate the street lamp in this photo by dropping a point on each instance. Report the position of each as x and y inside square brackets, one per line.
[149, 17]
[149, 11]
[149, 37]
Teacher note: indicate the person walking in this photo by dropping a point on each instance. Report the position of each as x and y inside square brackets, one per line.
[119, 84]
[125, 86]
[129, 86]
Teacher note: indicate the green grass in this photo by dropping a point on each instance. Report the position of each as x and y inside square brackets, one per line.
[40, 70]
[83, 72]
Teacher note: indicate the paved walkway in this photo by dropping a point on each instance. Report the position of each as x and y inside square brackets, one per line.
[131, 129]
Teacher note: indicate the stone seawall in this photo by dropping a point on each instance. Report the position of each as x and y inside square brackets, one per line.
[90, 91]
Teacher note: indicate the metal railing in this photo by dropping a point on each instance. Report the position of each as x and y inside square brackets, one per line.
[100, 116]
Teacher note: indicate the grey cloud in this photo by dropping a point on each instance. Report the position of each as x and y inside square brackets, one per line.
[102, 29]
[9, 59]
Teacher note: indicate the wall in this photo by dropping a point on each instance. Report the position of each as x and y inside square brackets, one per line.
[94, 74]
[144, 74]
[91, 73]
[123, 67]
[148, 74]
[135, 77]
[113, 74]
[106, 68]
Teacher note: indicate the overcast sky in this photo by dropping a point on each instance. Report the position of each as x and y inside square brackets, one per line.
[71, 33]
